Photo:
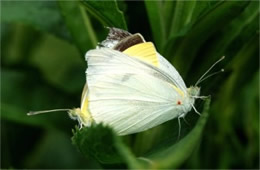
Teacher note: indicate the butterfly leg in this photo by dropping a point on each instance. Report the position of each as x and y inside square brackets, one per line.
[185, 120]
[196, 110]
[201, 97]
[80, 126]
[179, 122]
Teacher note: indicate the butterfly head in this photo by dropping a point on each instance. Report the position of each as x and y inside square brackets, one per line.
[74, 113]
[83, 118]
[193, 91]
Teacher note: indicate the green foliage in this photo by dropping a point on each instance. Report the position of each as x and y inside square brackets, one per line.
[156, 21]
[106, 12]
[44, 16]
[43, 67]
[78, 21]
[90, 142]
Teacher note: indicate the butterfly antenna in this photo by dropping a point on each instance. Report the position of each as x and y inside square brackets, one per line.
[203, 76]
[212, 74]
[179, 122]
[46, 111]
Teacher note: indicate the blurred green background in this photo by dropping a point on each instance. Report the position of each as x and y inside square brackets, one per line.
[42, 67]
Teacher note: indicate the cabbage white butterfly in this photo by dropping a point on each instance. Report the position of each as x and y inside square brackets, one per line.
[131, 87]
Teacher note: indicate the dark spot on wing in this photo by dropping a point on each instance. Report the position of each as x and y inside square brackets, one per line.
[126, 77]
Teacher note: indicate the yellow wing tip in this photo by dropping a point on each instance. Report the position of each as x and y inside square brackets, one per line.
[145, 52]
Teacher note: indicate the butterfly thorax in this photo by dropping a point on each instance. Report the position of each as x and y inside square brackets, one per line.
[193, 93]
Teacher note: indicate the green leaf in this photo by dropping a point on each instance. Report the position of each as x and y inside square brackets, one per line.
[107, 12]
[154, 11]
[182, 16]
[42, 15]
[240, 28]
[54, 151]
[63, 67]
[19, 42]
[79, 25]
[101, 143]
[244, 66]
[168, 12]
[239, 65]
[175, 155]
[90, 142]
[36, 96]
[18, 115]
[207, 25]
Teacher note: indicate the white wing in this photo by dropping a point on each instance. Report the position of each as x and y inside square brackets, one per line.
[168, 68]
[129, 95]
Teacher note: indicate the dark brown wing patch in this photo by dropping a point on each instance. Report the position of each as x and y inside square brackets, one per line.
[129, 41]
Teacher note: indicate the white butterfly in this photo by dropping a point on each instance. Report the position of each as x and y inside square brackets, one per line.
[131, 87]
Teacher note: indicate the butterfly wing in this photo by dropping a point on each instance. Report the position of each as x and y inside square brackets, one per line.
[146, 52]
[175, 76]
[84, 99]
[128, 94]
